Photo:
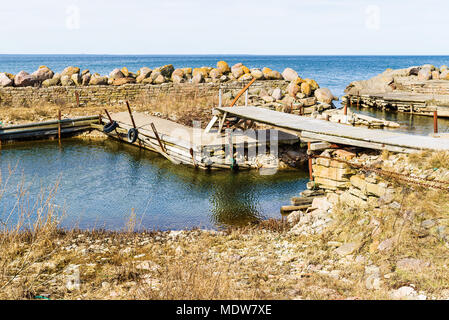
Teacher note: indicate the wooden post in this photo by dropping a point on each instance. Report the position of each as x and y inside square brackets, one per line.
[220, 97]
[435, 121]
[59, 125]
[310, 161]
[345, 110]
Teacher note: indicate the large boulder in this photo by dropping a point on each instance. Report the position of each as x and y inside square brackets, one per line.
[122, 81]
[66, 81]
[43, 73]
[271, 74]
[125, 71]
[143, 73]
[435, 74]
[443, 68]
[76, 78]
[116, 74]
[444, 75]
[85, 79]
[223, 67]
[312, 83]
[177, 78]
[69, 71]
[324, 95]
[97, 80]
[306, 89]
[381, 83]
[5, 81]
[215, 73]
[257, 73]
[198, 78]
[167, 70]
[159, 79]
[246, 77]
[425, 74]
[289, 74]
[293, 89]
[24, 79]
[237, 70]
[203, 70]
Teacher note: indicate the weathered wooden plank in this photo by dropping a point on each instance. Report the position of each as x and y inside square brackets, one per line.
[339, 133]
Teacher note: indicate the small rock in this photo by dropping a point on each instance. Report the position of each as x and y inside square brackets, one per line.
[347, 248]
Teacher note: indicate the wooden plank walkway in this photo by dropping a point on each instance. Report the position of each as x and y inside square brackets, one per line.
[338, 133]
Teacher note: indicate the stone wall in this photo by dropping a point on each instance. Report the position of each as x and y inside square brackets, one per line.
[348, 185]
[113, 95]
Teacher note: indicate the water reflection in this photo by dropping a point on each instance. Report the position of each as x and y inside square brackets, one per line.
[100, 183]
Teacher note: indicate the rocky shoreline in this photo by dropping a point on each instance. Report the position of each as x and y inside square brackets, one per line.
[417, 90]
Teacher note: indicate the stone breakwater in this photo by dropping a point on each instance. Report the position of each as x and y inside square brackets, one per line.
[418, 89]
[285, 91]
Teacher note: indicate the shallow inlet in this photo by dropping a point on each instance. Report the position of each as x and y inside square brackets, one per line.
[100, 183]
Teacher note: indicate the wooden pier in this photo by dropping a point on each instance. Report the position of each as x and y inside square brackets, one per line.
[188, 145]
[47, 129]
[320, 130]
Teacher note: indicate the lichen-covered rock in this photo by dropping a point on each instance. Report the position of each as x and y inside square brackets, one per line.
[306, 89]
[324, 95]
[176, 78]
[159, 79]
[76, 78]
[66, 81]
[43, 73]
[443, 68]
[246, 77]
[69, 71]
[293, 89]
[187, 71]
[116, 74]
[24, 79]
[223, 67]
[167, 70]
[125, 71]
[289, 74]
[85, 79]
[257, 73]
[424, 74]
[203, 71]
[444, 75]
[271, 74]
[97, 80]
[312, 83]
[237, 70]
[122, 81]
[435, 75]
[215, 73]
[245, 70]
[85, 71]
[198, 78]
[5, 81]
[143, 73]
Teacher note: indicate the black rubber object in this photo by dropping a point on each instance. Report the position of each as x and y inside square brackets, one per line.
[111, 126]
[132, 135]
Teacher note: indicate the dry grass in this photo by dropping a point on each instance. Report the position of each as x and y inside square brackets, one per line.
[430, 160]
[179, 108]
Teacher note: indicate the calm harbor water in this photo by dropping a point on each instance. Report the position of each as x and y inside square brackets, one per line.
[100, 183]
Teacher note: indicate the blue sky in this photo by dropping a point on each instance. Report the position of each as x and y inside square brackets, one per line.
[225, 27]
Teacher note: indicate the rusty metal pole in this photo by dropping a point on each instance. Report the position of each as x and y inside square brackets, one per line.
[435, 121]
[59, 125]
[77, 95]
[345, 110]
[310, 161]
